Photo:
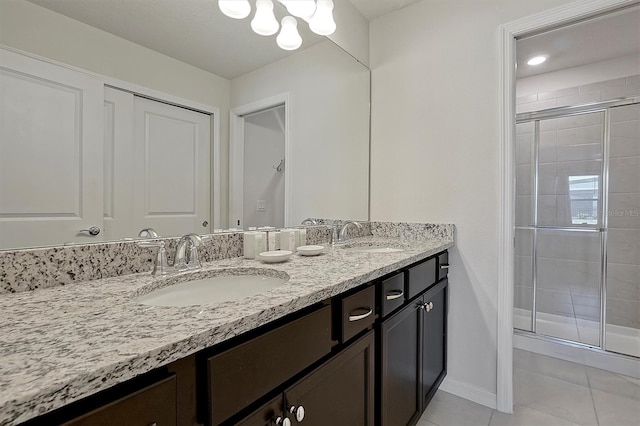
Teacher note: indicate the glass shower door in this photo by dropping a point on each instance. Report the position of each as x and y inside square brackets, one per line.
[559, 199]
[623, 236]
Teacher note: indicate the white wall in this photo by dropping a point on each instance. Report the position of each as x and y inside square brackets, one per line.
[263, 150]
[577, 76]
[329, 116]
[435, 154]
[352, 30]
[37, 30]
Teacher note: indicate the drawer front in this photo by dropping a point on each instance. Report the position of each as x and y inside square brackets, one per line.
[357, 312]
[391, 294]
[421, 277]
[155, 404]
[242, 374]
[443, 265]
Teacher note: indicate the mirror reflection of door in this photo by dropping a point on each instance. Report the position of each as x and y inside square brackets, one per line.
[156, 167]
[264, 164]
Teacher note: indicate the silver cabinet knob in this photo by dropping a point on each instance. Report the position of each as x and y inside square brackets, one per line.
[444, 266]
[425, 306]
[282, 421]
[298, 412]
[93, 231]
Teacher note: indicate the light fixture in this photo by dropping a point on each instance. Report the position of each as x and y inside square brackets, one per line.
[536, 60]
[264, 22]
[289, 39]
[322, 22]
[301, 8]
[236, 9]
[317, 13]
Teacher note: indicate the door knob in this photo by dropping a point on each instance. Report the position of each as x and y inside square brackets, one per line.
[298, 412]
[93, 231]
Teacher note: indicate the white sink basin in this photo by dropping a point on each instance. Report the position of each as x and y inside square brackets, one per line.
[223, 287]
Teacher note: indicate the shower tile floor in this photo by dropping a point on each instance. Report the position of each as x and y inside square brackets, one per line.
[548, 392]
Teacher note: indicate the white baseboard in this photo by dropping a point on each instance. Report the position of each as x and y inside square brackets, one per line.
[468, 391]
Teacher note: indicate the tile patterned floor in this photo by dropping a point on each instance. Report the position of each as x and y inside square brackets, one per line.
[548, 392]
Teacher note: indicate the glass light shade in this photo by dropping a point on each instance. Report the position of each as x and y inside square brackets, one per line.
[265, 22]
[289, 39]
[300, 8]
[322, 22]
[236, 9]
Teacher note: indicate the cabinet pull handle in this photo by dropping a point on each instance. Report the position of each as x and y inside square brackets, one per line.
[353, 317]
[444, 266]
[395, 294]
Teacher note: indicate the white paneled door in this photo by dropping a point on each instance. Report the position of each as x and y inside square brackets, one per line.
[51, 156]
[171, 168]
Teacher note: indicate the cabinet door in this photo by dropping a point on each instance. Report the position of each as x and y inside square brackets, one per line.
[399, 346]
[266, 415]
[154, 405]
[434, 340]
[340, 392]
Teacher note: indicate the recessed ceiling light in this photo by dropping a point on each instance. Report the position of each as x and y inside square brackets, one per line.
[536, 60]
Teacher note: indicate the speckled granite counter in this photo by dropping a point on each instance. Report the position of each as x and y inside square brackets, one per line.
[60, 344]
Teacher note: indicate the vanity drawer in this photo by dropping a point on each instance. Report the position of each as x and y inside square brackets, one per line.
[391, 294]
[155, 404]
[421, 277]
[357, 312]
[241, 375]
[443, 265]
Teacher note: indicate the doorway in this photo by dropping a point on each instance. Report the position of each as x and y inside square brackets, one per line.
[264, 166]
[266, 123]
[509, 33]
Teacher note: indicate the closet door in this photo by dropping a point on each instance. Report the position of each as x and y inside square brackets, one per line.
[50, 153]
[171, 169]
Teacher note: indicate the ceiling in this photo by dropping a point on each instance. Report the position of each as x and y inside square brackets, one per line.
[195, 31]
[192, 31]
[591, 41]
[372, 9]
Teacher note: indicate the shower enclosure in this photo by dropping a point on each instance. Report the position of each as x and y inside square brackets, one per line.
[577, 263]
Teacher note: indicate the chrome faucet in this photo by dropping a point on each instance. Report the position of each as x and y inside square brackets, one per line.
[182, 262]
[309, 221]
[342, 237]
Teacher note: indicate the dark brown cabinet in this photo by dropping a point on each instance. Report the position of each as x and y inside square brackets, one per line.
[373, 355]
[153, 405]
[340, 392]
[434, 340]
[399, 361]
[412, 349]
[246, 372]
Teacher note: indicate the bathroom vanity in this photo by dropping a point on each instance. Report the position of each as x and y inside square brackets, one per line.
[363, 333]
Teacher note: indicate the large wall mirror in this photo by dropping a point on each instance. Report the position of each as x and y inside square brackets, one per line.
[297, 145]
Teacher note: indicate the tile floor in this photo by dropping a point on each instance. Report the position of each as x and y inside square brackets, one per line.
[548, 392]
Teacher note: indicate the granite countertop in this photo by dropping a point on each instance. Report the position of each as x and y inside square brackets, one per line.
[61, 344]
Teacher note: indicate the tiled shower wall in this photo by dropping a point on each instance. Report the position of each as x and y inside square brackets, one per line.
[568, 267]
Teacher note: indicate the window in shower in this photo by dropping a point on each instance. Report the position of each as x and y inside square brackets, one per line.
[583, 199]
